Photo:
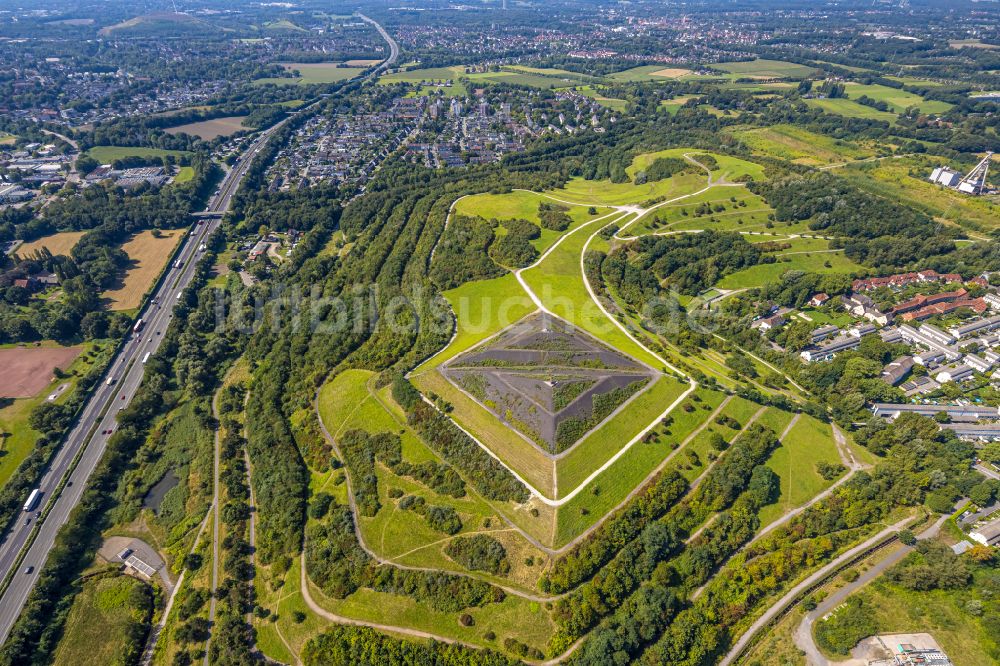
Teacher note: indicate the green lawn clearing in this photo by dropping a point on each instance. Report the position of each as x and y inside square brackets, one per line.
[108, 154]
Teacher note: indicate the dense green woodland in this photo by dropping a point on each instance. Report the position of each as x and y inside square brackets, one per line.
[627, 586]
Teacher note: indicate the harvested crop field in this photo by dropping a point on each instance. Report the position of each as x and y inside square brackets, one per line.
[60, 243]
[313, 72]
[670, 72]
[28, 370]
[210, 129]
[148, 254]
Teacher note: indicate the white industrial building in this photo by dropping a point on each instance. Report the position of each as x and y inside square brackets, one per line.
[945, 176]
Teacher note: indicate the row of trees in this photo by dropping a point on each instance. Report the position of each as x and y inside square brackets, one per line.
[739, 474]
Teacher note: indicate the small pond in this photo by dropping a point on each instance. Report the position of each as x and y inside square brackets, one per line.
[156, 494]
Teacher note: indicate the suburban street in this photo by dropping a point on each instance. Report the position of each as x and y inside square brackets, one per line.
[88, 439]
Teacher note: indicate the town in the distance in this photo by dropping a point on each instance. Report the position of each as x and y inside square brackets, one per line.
[499, 332]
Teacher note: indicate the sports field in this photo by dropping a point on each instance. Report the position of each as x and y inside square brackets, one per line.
[58, 243]
[108, 154]
[149, 255]
[210, 129]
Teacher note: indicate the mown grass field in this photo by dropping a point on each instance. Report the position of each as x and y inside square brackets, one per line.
[99, 622]
[108, 154]
[185, 175]
[57, 243]
[808, 443]
[482, 308]
[765, 69]
[851, 109]
[210, 129]
[898, 100]
[149, 255]
[7, 139]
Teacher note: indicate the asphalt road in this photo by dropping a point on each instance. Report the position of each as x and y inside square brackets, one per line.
[393, 46]
[89, 437]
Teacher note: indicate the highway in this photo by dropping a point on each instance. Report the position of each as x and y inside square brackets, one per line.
[97, 421]
[393, 46]
[89, 437]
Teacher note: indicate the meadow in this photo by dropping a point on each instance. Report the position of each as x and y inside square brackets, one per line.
[349, 401]
[103, 622]
[793, 259]
[799, 145]
[892, 179]
[808, 443]
[898, 100]
[596, 95]
[515, 617]
[766, 69]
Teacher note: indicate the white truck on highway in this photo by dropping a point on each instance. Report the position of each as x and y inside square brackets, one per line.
[33, 499]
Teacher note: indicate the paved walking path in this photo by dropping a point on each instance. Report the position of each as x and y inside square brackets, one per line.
[782, 604]
[803, 633]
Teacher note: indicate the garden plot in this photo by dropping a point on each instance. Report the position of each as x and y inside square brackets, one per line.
[548, 380]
